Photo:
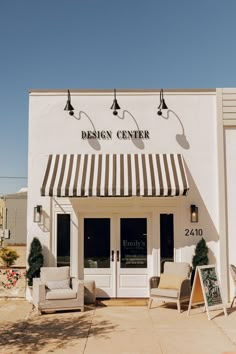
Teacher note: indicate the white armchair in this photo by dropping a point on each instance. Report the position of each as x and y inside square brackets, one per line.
[173, 285]
[55, 290]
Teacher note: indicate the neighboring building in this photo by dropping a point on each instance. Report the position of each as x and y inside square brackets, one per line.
[2, 209]
[114, 192]
[2, 213]
[14, 218]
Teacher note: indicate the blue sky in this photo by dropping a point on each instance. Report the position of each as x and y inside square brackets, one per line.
[105, 44]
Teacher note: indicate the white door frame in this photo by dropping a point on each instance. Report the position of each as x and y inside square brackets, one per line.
[107, 281]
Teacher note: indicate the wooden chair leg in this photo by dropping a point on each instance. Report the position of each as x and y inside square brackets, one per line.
[232, 302]
[178, 307]
[150, 302]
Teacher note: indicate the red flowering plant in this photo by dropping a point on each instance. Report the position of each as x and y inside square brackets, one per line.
[12, 276]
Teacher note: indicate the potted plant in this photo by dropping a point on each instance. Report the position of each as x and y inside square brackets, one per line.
[35, 261]
[8, 256]
[200, 257]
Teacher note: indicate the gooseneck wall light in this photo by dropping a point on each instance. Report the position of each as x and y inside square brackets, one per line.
[162, 104]
[68, 106]
[70, 109]
[115, 106]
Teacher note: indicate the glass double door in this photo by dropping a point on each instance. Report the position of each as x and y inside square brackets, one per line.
[116, 255]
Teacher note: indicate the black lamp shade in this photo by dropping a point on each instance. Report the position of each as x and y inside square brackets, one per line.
[68, 106]
[115, 105]
[163, 106]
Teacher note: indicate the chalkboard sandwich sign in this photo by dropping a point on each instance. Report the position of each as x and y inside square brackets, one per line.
[206, 290]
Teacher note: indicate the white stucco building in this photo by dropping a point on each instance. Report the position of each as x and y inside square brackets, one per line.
[116, 190]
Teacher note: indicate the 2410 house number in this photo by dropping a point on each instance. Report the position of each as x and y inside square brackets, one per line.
[193, 232]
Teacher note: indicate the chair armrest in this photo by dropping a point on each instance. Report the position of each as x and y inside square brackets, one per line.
[78, 286]
[154, 282]
[185, 288]
[39, 291]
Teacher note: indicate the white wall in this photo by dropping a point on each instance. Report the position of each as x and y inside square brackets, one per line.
[230, 138]
[53, 130]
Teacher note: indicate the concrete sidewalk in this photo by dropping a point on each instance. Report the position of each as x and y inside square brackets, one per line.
[111, 330]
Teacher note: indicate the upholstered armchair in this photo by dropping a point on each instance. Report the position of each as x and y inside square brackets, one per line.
[55, 290]
[173, 285]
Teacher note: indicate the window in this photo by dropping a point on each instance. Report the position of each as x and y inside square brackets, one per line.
[63, 240]
[96, 243]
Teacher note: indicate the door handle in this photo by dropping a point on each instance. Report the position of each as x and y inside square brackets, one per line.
[118, 256]
[112, 255]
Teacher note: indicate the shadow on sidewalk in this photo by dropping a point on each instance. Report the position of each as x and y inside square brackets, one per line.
[52, 331]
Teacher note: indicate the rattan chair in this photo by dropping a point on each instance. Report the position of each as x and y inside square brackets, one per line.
[173, 285]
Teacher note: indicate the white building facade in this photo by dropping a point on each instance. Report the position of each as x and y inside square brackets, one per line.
[116, 190]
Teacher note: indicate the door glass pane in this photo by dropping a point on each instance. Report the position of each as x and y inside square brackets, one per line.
[167, 238]
[96, 243]
[63, 240]
[133, 243]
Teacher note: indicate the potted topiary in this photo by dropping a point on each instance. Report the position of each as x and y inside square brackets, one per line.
[35, 261]
[200, 257]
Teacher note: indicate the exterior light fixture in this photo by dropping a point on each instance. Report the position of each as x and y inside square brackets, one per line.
[37, 213]
[162, 104]
[68, 106]
[194, 213]
[115, 105]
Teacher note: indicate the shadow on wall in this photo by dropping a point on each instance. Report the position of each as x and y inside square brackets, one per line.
[137, 141]
[94, 142]
[205, 227]
[44, 224]
[180, 138]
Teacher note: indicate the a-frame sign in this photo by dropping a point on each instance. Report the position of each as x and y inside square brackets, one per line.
[206, 290]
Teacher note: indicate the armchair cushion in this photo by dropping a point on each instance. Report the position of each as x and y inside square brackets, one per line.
[168, 281]
[54, 274]
[59, 294]
[181, 269]
[165, 292]
[58, 284]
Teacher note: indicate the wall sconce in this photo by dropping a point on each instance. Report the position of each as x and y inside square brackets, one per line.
[37, 213]
[68, 106]
[162, 104]
[194, 213]
[115, 105]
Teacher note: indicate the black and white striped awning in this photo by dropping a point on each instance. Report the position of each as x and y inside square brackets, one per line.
[115, 175]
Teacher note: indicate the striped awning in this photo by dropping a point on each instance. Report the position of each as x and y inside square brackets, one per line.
[115, 175]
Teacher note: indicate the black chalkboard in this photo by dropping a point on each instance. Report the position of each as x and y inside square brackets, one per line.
[211, 285]
[206, 289]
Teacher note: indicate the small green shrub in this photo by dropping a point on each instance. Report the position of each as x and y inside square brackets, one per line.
[201, 254]
[200, 257]
[8, 256]
[35, 260]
